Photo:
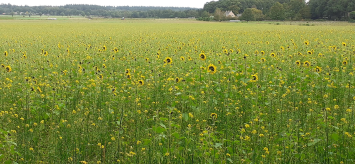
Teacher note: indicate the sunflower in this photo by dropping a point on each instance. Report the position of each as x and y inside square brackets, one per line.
[113, 90]
[320, 54]
[39, 90]
[6, 53]
[128, 71]
[306, 42]
[273, 55]
[46, 53]
[103, 65]
[190, 58]
[318, 69]
[262, 52]
[344, 44]
[345, 62]
[212, 69]
[115, 49]
[306, 64]
[254, 78]
[282, 48]
[104, 48]
[309, 52]
[263, 59]
[245, 56]
[203, 56]
[256, 52]
[168, 60]
[298, 63]
[128, 75]
[182, 58]
[101, 76]
[214, 115]
[8, 68]
[177, 80]
[141, 82]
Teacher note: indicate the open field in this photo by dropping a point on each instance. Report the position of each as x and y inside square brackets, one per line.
[176, 91]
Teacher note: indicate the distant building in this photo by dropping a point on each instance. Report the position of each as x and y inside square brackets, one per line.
[229, 14]
[238, 15]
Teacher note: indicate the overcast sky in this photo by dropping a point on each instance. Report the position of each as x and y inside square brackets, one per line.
[175, 3]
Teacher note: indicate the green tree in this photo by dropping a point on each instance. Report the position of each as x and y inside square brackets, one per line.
[248, 15]
[258, 14]
[277, 12]
[305, 12]
[352, 15]
[218, 15]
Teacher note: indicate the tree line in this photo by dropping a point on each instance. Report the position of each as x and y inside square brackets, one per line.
[250, 10]
[101, 11]
[284, 9]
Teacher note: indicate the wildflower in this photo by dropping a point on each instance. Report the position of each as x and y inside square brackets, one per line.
[306, 42]
[202, 56]
[8, 68]
[6, 53]
[191, 115]
[254, 77]
[214, 115]
[168, 60]
[141, 82]
[212, 69]
[306, 64]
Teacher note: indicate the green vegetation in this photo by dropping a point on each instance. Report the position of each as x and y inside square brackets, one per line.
[165, 91]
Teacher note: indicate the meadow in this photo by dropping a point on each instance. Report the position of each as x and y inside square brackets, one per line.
[176, 91]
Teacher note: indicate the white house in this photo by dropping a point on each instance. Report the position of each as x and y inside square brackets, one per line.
[229, 14]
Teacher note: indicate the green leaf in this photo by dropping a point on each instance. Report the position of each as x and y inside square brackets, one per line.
[314, 142]
[335, 136]
[218, 145]
[159, 129]
[163, 118]
[161, 124]
[185, 116]
[146, 141]
[230, 160]
[176, 135]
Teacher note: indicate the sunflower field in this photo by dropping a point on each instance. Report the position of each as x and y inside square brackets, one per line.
[155, 91]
